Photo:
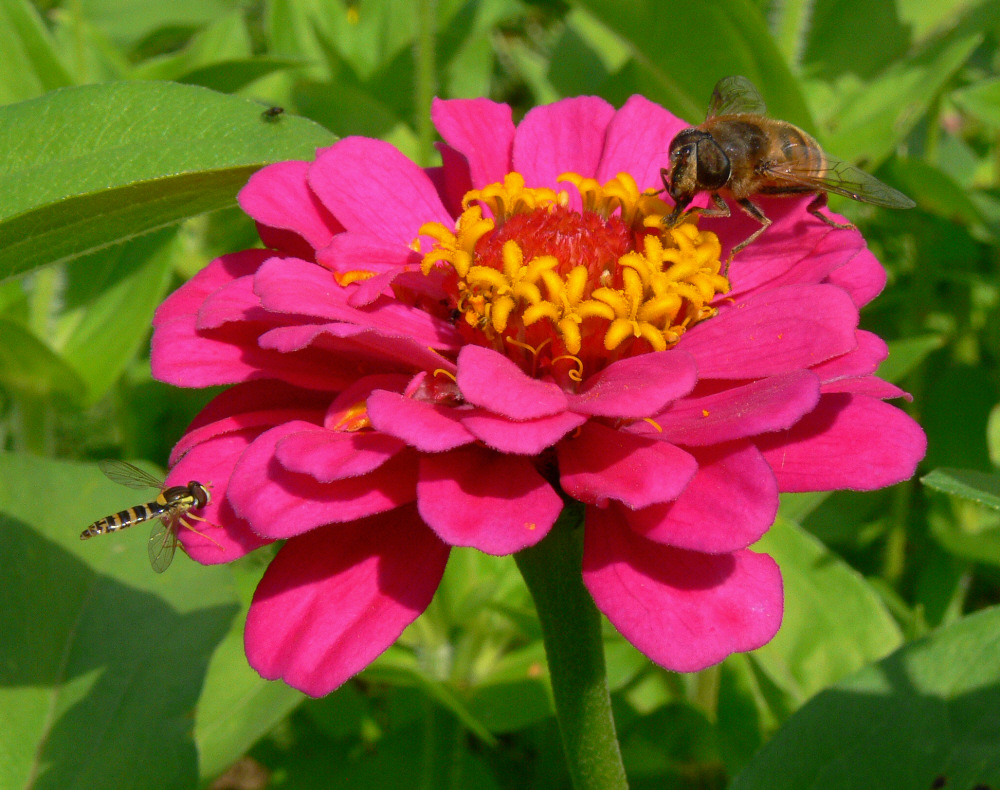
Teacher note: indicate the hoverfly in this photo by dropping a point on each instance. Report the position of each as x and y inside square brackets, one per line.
[169, 509]
[740, 152]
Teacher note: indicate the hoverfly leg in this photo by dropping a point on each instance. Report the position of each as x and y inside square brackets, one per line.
[819, 202]
[184, 523]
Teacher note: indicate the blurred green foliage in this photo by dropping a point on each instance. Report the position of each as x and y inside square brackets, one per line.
[114, 678]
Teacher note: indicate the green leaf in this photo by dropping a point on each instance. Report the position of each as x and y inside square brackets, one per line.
[127, 21]
[833, 622]
[869, 123]
[906, 355]
[84, 168]
[229, 76]
[684, 48]
[935, 191]
[982, 100]
[29, 367]
[30, 64]
[926, 716]
[979, 487]
[104, 332]
[102, 661]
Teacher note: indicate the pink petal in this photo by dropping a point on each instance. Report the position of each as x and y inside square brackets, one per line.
[301, 288]
[254, 404]
[775, 331]
[862, 277]
[683, 609]
[279, 197]
[327, 455]
[871, 351]
[806, 254]
[491, 380]
[184, 358]
[234, 302]
[638, 142]
[349, 252]
[224, 536]
[480, 130]
[793, 234]
[771, 404]
[566, 136]
[345, 351]
[729, 504]
[454, 178]
[333, 600]
[498, 504]
[872, 386]
[848, 441]
[282, 504]
[187, 300]
[637, 387]
[601, 464]
[429, 427]
[370, 187]
[525, 437]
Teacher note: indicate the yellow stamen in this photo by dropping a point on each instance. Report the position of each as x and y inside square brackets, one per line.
[629, 293]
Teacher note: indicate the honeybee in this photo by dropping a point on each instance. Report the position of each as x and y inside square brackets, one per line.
[169, 509]
[739, 152]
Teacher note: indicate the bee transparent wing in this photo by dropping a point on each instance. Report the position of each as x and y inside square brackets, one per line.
[162, 543]
[735, 96]
[844, 179]
[128, 475]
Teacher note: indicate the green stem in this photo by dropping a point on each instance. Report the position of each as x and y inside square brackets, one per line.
[425, 82]
[571, 628]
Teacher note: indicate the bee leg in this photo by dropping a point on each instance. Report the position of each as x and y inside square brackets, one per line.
[721, 208]
[755, 212]
[819, 202]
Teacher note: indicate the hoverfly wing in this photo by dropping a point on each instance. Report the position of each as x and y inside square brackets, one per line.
[841, 178]
[735, 96]
[162, 543]
[128, 475]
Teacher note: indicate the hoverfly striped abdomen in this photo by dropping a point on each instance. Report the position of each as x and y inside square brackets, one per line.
[126, 518]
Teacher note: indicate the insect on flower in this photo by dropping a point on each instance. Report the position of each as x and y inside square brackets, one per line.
[740, 152]
[170, 510]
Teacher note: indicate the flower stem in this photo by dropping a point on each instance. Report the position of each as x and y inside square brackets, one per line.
[571, 628]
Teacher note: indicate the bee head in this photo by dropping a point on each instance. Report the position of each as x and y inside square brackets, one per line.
[697, 163]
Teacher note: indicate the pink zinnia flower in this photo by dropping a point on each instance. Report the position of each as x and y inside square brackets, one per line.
[432, 358]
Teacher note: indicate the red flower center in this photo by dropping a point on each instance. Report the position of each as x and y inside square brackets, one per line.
[564, 292]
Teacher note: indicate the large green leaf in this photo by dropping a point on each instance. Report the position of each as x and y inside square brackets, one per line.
[83, 168]
[926, 716]
[833, 623]
[102, 661]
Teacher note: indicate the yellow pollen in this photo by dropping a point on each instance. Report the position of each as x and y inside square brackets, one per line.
[353, 418]
[346, 278]
[654, 423]
[443, 372]
[587, 297]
